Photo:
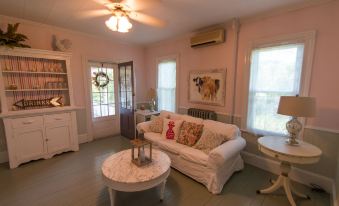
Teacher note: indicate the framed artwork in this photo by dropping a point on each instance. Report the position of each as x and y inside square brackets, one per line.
[207, 87]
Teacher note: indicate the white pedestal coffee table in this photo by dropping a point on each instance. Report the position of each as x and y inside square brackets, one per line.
[120, 174]
[303, 153]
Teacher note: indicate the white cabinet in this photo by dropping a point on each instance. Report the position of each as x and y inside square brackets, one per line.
[36, 104]
[28, 144]
[58, 137]
[40, 136]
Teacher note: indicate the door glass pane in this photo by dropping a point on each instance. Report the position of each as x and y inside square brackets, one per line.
[104, 110]
[122, 78]
[95, 98]
[96, 111]
[111, 109]
[103, 98]
[128, 78]
[123, 99]
[129, 100]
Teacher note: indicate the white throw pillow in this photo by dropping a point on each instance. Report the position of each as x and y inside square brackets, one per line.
[209, 140]
[230, 131]
[171, 128]
[156, 124]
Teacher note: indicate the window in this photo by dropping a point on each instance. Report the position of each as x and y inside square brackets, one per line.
[103, 98]
[274, 71]
[167, 85]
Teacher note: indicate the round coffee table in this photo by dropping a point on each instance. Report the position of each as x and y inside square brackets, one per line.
[120, 174]
[303, 153]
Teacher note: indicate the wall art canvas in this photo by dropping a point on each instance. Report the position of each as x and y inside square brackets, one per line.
[207, 87]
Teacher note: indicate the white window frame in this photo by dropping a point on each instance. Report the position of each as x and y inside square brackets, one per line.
[173, 57]
[307, 38]
[116, 104]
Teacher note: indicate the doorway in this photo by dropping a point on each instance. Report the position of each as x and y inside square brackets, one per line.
[103, 87]
[126, 101]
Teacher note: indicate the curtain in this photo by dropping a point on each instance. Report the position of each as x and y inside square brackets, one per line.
[275, 71]
[167, 85]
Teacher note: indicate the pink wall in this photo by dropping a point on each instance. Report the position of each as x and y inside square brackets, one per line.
[215, 57]
[324, 82]
[83, 46]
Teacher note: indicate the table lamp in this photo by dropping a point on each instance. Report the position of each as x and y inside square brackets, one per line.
[296, 106]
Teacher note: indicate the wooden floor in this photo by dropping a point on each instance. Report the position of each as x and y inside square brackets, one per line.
[74, 178]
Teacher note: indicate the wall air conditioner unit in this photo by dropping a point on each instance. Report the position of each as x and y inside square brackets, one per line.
[208, 38]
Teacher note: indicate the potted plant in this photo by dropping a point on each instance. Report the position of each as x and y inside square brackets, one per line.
[11, 38]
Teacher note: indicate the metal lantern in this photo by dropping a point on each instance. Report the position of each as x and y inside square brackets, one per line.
[141, 158]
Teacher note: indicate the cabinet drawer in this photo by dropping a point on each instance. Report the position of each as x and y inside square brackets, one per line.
[54, 118]
[27, 122]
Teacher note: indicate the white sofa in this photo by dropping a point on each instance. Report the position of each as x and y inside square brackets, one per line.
[213, 169]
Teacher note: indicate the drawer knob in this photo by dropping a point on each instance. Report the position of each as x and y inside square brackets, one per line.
[57, 118]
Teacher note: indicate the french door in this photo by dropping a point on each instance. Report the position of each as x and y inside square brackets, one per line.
[126, 102]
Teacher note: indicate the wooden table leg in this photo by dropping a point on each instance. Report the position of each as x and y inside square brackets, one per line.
[162, 190]
[112, 194]
[283, 181]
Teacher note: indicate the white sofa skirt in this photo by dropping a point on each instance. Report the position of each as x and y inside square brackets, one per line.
[213, 179]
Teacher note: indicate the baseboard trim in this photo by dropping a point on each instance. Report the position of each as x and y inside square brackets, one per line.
[296, 174]
[3, 156]
[83, 138]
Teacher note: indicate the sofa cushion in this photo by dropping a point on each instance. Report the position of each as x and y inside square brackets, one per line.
[156, 124]
[171, 146]
[229, 130]
[188, 118]
[171, 128]
[190, 133]
[153, 137]
[209, 140]
[194, 155]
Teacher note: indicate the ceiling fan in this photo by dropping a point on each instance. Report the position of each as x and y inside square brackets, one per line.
[121, 11]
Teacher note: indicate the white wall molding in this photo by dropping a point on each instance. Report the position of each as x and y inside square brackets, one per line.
[296, 174]
[323, 129]
[3, 156]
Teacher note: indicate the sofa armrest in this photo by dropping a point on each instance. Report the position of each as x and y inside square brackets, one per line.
[221, 154]
[143, 127]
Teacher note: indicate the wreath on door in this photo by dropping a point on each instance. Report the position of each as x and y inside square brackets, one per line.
[101, 79]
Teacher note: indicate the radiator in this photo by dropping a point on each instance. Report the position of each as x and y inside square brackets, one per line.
[201, 113]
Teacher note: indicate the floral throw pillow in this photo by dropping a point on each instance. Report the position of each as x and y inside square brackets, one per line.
[156, 124]
[190, 133]
[209, 140]
[171, 128]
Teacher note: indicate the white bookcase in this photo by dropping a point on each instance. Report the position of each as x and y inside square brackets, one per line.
[36, 104]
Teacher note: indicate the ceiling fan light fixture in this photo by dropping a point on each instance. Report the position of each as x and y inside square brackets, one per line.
[124, 25]
[119, 23]
[112, 23]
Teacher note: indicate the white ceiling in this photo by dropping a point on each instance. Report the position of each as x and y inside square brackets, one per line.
[181, 16]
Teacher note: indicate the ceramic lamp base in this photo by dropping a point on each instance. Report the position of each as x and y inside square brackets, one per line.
[292, 141]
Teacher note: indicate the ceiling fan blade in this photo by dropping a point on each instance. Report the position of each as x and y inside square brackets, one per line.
[94, 13]
[147, 19]
[140, 4]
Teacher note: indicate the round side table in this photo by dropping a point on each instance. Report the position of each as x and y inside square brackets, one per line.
[303, 153]
[120, 174]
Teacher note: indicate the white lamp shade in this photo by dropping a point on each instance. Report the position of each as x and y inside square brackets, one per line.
[297, 106]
